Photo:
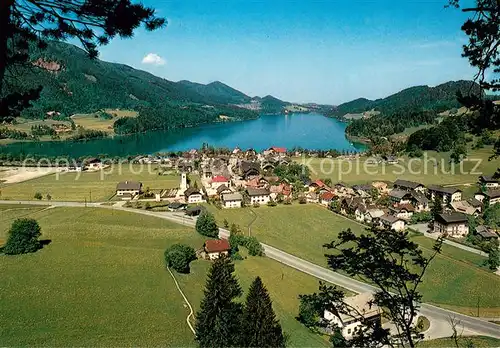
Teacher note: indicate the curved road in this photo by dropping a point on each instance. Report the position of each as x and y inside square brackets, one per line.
[439, 317]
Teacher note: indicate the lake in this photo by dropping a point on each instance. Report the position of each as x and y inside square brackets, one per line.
[310, 131]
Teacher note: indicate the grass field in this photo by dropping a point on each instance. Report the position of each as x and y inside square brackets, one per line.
[102, 282]
[90, 121]
[478, 342]
[455, 278]
[90, 186]
[357, 172]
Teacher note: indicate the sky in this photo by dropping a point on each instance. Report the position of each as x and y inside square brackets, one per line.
[302, 51]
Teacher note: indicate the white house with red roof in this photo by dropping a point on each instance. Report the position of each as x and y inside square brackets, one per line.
[214, 248]
[219, 180]
[326, 198]
[275, 151]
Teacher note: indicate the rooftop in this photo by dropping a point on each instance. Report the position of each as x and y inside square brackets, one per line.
[232, 196]
[257, 191]
[407, 184]
[219, 178]
[129, 185]
[453, 217]
[217, 245]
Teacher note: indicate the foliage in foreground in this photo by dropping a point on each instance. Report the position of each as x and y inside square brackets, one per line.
[23, 237]
[390, 261]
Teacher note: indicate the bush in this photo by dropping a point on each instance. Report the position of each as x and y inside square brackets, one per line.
[38, 196]
[49, 197]
[23, 237]
[287, 202]
[236, 256]
[147, 206]
[206, 225]
[254, 247]
[256, 205]
[178, 257]
[271, 203]
[302, 200]
[424, 216]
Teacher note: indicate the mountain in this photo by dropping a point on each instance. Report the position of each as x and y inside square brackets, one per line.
[418, 98]
[73, 83]
[272, 105]
[217, 92]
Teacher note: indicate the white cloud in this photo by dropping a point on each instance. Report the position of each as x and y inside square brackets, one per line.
[153, 59]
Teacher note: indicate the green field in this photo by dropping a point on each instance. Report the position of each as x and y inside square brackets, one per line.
[90, 186]
[478, 342]
[102, 282]
[90, 121]
[455, 278]
[358, 172]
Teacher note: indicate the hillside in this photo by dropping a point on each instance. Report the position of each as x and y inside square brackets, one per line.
[418, 98]
[73, 83]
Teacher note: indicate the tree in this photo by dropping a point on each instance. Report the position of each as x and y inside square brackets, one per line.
[218, 320]
[493, 261]
[178, 257]
[23, 237]
[396, 266]
[259, 324]
[38, 196]
[28, 23]
[225, 223]
[308, 312]
[206, 225]
[437, 206]
[458, 153]
[491, 216]
[49, 197]
[234, 230]
[483, 30]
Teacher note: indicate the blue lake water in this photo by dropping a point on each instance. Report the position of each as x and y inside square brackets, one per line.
[311, 131]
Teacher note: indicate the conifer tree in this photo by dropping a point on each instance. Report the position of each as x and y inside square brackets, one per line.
[218, 322]
[260, 328]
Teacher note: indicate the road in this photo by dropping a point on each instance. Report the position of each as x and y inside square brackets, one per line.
[423, 228]
[439, 317]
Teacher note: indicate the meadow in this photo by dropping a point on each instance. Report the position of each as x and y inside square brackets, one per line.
[455, 280]
[95, 122]
[417, 169]
[90, 186]
[102, 282]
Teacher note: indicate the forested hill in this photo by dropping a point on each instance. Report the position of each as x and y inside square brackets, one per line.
[418, 98]
[73, 83]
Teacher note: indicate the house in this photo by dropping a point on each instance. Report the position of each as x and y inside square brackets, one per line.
[390, 159]
[249, 169]
[400, 196]
[486, 233]
[359, 213]
[326, 198]
[214, 248]
[363, 190]
[193, 195]
[127, 189]
[316, 185]
[489, 182]
[361, 309]
[409, 186]
[312, 197]
[176, 206]
[452, 224]
[92, 164]
[232, 200]
[488, 197]
[419, 201]
[466, 208]
[381, 186]
[448, 194]
[402, 211]
[349, 205]
[392, 222]
[259, 195]
[476, 204]
[218, 181]
[75, 167]
[372, 214]
[277, 151]
[222, 189]
[283, 189]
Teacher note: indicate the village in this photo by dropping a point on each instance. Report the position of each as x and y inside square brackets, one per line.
[251, 179]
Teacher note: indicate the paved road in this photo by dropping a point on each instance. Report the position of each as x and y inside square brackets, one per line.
[423, 228]
[439, 317]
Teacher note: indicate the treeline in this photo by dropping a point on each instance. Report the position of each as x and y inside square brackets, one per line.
[168, 117]
[441, 137]
[386, 125]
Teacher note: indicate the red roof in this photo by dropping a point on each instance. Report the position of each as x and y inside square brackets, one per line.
[217, 245]
[278, 149]
[319, 183]
[219, 178]
[327, 196]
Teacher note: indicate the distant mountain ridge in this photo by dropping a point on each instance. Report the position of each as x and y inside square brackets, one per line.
[417, 98]
[73, 83]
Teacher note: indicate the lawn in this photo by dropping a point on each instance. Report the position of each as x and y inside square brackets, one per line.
[455, 278]
[102, 282]
[478, 342]
[90, 186]
[90, 121]
[420, 170]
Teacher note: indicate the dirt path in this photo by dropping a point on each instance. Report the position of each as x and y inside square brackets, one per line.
[185, 300]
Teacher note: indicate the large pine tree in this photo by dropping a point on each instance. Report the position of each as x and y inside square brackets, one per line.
[260, 328]
[218, 322]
